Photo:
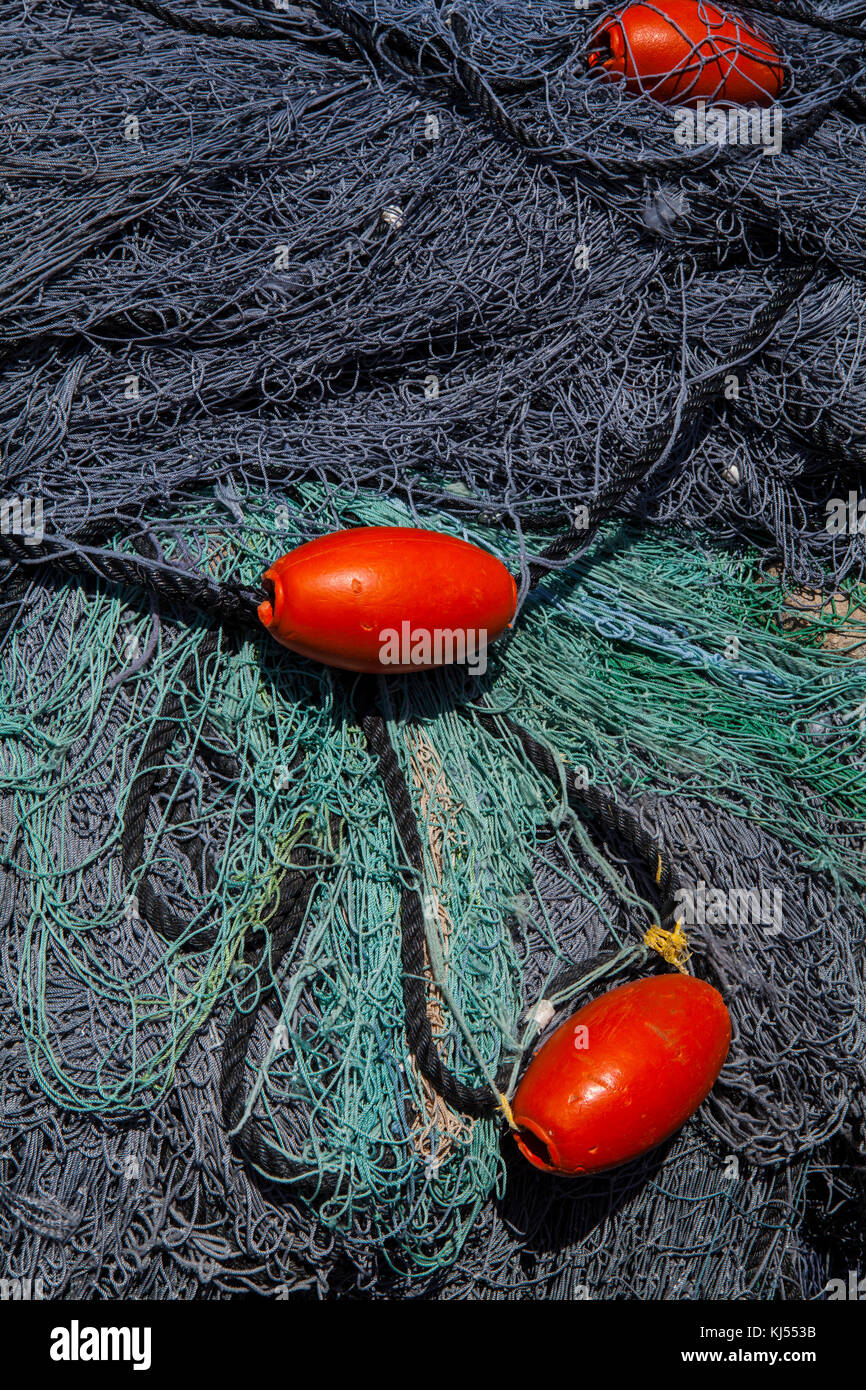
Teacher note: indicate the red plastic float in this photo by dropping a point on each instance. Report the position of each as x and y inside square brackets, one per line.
[622, 1074]
[680, 52]
[388, 599]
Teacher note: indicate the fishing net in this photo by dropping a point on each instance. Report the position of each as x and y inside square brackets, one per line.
[267, 275]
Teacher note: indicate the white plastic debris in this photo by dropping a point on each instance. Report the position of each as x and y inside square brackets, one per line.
[541, 1014]
[392, 215]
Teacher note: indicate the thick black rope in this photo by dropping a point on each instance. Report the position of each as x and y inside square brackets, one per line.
[469, 1100]
[462, 78]
[214, 28]
[617, 821]
[235, 605]
[259, 988]
[801, 14]
[232, 604]
[370, 35]
[295, 887]
[829, 438]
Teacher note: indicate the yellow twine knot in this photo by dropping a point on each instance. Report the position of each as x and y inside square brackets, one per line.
[672, 946]
[505, 1107]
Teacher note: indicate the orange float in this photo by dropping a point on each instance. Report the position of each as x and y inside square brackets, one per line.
[680, 52]
[388, 599]
[621, 1075]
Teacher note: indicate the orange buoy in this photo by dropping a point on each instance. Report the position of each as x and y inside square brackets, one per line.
[387, 599]
[681, 52]
[621, 1075]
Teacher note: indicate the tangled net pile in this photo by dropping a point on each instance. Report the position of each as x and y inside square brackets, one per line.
[269, 273]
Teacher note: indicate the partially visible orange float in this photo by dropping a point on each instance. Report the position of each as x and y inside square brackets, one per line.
[681, 52]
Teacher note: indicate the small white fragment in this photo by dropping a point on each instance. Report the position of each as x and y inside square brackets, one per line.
[662, 211]
[731, 474]
[392, 215]
[541, 1014]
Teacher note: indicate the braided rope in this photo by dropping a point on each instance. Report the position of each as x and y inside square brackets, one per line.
[231, 604]
[257, 990]
[152, 906]
[200, 24]
[234, 604]
[800, 14]
[469, 1100]
[462, 77]
[617, 821]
